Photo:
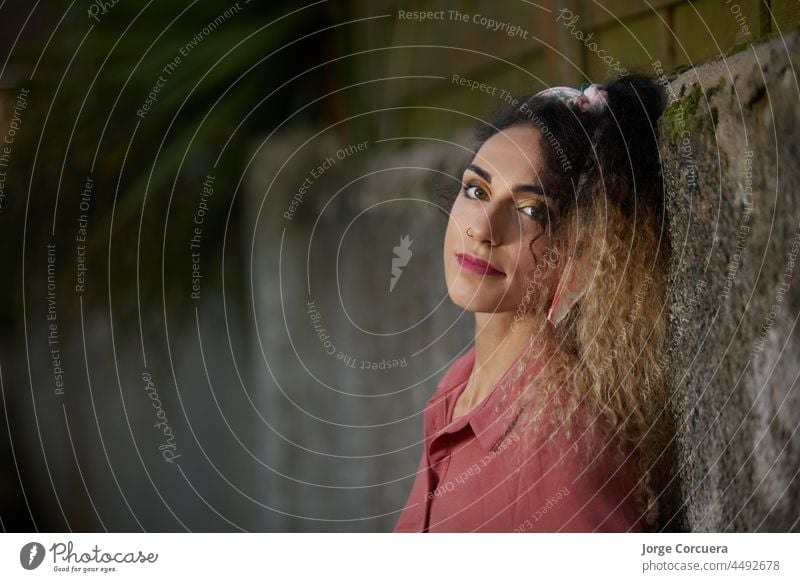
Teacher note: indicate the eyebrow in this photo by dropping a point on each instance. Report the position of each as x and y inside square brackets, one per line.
[519, 188]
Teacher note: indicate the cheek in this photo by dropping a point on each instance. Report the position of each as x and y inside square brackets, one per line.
[453, 243]
[531, 253]
[526, 263]
[457, 223]
[452, 240]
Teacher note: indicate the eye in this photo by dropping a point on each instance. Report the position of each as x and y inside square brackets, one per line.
[473, 191]
[538, 212]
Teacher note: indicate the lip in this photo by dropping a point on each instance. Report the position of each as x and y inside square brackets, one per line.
[476, 265]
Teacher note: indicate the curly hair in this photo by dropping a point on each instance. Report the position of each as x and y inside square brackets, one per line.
[604, 359]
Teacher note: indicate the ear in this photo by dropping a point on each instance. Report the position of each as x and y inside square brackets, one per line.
[574, 281]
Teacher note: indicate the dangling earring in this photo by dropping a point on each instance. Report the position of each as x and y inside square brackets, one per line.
[570, 290]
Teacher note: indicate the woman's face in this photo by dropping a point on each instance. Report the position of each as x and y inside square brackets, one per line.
[503, 204]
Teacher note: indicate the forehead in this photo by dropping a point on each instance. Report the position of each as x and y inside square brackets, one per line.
[513, 154]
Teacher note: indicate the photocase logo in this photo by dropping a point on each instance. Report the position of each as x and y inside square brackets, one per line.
[402, 254]
[31, 555]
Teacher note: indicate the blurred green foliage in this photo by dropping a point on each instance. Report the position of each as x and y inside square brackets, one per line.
[239, 75]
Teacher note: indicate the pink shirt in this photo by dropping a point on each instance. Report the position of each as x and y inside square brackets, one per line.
[468, 480]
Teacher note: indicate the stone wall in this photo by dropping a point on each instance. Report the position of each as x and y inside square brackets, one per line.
[730, 158]
[344, 361]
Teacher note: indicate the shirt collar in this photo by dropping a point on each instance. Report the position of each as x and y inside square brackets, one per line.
[495, 416]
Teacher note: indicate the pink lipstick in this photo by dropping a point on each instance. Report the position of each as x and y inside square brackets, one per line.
[476, 265]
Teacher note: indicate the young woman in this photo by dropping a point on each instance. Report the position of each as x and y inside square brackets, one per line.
[554, 420]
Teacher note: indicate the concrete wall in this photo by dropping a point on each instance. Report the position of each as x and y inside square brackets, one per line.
[730, 156]
[344, 364]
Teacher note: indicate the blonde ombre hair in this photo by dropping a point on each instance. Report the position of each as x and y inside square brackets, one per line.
[602, 363]
[601, 366]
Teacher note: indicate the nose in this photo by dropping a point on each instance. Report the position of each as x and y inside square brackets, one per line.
[487, 225]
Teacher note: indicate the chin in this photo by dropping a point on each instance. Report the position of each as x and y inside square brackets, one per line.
[475, 301]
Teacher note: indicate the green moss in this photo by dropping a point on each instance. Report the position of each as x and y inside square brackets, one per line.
[678, 116]
[739, 47]
[683, 114]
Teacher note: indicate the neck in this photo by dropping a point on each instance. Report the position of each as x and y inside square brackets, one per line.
[498, 344]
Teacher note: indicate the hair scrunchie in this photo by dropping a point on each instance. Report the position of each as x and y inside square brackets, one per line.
[590, 96]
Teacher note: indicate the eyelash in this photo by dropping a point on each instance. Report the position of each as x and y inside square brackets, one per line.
[538, 211]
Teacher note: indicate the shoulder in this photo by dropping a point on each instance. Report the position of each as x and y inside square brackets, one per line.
[585, 474]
